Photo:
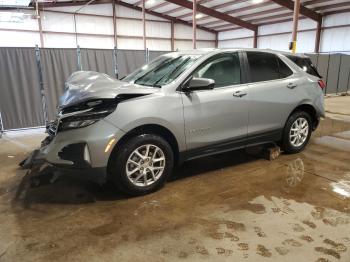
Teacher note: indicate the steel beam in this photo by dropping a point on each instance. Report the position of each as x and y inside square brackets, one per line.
[318, 36]
[303, 10]
[295, 25]
[194, 24]
[172, 29]
[144, 24]
[114, 24]
[213, 13]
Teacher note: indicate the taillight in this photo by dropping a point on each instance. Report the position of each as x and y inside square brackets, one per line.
[322, 84]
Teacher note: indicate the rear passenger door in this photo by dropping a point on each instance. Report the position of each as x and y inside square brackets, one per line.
[272, 88]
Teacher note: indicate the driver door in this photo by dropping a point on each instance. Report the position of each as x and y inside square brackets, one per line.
[217, 120]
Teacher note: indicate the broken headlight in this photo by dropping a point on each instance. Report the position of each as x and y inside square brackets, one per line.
[86, 113]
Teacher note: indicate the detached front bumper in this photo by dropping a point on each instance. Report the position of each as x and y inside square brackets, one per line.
[82, 150]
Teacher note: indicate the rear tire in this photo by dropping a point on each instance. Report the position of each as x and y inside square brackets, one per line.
[142, 165]
[297, 132]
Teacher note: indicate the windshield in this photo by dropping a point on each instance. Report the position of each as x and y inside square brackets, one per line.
[162, 70]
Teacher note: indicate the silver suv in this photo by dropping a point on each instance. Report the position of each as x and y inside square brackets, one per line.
[180, 106]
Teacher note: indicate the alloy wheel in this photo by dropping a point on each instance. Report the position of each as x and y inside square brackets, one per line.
[145, 165]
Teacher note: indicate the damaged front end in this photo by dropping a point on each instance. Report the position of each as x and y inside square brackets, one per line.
[78, 136]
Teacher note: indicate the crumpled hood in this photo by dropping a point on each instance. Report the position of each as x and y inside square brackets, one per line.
[85, 85]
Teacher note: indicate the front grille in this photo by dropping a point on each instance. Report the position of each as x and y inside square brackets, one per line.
[52, 127]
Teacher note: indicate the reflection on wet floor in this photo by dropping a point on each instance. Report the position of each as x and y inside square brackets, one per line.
[230, 207]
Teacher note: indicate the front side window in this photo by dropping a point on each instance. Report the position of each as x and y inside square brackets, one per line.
[162, 70]
[223, 69]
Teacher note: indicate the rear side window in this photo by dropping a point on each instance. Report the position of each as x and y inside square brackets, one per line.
[305, 64]
[266, 66]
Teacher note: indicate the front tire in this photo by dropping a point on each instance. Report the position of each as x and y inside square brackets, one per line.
[297, 132]
[142, 165]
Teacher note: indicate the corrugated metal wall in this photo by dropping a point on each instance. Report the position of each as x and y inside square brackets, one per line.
[335, 70]
[20, 95]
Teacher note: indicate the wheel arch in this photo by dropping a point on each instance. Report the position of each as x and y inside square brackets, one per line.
[148, 129]
[310, 109]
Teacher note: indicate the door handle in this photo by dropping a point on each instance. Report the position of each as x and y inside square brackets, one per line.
[239, 93]
[292, 85]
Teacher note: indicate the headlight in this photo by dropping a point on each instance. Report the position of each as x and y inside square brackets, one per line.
[86, 114]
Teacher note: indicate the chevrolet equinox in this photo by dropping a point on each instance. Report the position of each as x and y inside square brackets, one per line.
[180, 106]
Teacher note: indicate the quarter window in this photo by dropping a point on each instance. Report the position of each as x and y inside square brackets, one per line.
[266, 66]
[223, 69]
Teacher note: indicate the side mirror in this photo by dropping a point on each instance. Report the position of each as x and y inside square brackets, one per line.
[196, 84]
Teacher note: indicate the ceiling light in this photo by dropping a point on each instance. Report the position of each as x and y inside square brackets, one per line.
[257, 1]
[199, 16]
[149, 2]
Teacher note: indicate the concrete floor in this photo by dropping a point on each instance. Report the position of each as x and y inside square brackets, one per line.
[230, 207]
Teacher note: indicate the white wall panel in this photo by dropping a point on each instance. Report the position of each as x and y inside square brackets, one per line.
[95, 42]
[129, 27]
[182, 45]
[235, 34]
[338, 19]
[59, 40]
[205, 44]
[185, 32]
[29, 23]
[158, 29]
[94, 25]
[19, 39]
[287, 27]
[103, 9]
[57, 22]
[127, 43]
[127, 12]
[239, 43]
[336, 39]
[155, 44]
[187, 45]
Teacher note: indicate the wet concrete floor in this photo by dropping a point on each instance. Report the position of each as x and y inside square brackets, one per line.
[230, 207]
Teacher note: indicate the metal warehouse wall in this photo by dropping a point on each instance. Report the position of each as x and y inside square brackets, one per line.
[335, 70]
[21, 93]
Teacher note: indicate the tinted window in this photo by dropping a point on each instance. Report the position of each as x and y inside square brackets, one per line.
[223, 69]
[284, 70]
[263, 66]
[305, 64]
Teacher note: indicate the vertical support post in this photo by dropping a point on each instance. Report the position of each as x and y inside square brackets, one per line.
[318, 36]
[329, 59]
[216, 39]
[194, 25]
[172, 30]
[80, 68]
[115, 59]
[75, 30]
[147, 55]
[295, 25]
[347, 86]
[40, 29]
[1, 126]
[144, 24]
[255, 40]
[341, 56]
[114, 23]
[41, 84]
